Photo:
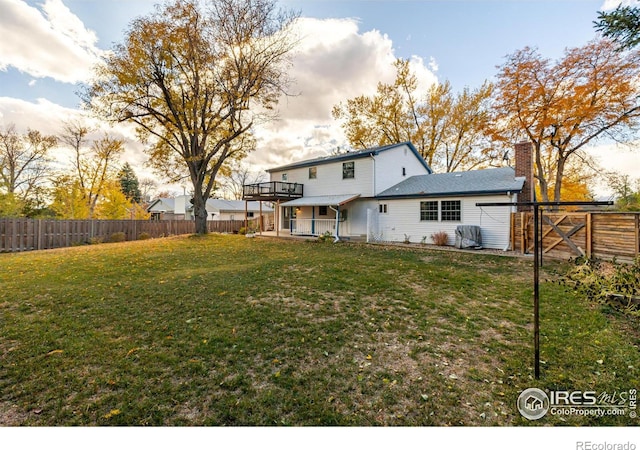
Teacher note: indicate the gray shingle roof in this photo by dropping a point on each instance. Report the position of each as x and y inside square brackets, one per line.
[349, 156]
[322, 200]
[475, 182]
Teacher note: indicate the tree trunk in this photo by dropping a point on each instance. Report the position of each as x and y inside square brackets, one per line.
[542, 181]
[200, 212]
[557, 189]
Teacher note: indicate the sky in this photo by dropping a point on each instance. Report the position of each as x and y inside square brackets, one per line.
[48, 48]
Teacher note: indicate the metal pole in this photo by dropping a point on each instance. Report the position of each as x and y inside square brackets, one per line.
[536, 293]
[541, 247]
[536, 261]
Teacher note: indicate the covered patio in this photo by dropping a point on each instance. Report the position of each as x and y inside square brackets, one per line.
[316, 216]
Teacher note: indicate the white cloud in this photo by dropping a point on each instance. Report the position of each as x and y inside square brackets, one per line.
[49, 118]
[334, 62]
[621, 159]
[433, 64]
[47, 42]
[613, 4]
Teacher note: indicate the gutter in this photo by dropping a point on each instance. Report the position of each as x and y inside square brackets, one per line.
[372, 156]
[443, 194]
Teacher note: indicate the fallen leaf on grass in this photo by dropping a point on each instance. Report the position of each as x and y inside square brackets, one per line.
[110, 414]
[55, 352]
[132, 351]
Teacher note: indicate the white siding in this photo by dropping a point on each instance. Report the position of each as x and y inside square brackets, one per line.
[180, 203]
[329, 179]
[403, 218]
[389, 165]
[357, 216]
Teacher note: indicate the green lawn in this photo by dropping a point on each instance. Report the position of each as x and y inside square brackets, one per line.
[225, 330]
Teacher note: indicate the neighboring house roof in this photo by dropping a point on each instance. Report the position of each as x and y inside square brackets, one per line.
[162, 204]
[475, 182]
[236, 206]
[213, 204]
[351, 156]
[322, 200]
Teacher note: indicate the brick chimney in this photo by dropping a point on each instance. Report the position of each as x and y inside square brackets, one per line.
[524, 168]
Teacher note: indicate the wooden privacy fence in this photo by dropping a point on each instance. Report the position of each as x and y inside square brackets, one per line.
[604, 235]
[18, 235]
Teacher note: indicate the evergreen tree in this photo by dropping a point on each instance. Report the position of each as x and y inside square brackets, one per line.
[622, 25]
[129, 184]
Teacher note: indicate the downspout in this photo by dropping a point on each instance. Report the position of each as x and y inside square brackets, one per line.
[337, 236]
[313, 220]
[374, 174]
[290, 219]
[512, 197]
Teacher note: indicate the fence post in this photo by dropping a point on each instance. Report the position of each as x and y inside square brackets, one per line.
[524, 220]
[637, 234]
[14, 236]
[39, 235]
[512, 233]
[588, 233]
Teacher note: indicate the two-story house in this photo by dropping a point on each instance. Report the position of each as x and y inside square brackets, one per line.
[387, 194]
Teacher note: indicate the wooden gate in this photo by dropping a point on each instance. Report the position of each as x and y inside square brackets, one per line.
[571, 234]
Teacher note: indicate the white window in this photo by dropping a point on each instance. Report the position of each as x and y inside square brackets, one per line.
[284, 177]
[429, 211]
[348, 170]
[382, 208]
[450, 210]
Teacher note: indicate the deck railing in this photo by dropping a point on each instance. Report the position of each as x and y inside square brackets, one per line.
[313, 227]
[272, 190]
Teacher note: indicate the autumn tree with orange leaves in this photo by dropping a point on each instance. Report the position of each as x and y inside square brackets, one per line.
[591, 94]
[446, 128]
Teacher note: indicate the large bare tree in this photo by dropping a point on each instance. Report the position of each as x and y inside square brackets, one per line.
[235, 177]
[94, 162]
[195, 80]
[24, 161]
